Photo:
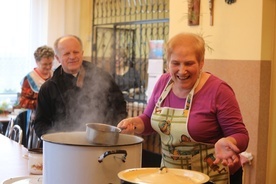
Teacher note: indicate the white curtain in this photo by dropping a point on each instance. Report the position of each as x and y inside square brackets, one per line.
[26, 25]
[15, 43]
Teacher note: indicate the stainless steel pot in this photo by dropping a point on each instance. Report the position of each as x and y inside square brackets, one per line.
[98, 133]
[69, 158]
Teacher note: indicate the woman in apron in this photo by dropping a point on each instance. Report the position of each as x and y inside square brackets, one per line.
[44, 57]
[196, 115]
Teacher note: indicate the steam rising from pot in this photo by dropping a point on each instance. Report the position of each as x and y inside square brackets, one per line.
[89, 104]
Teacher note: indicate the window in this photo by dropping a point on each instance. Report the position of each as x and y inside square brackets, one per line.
[26, 25]
[16, 47]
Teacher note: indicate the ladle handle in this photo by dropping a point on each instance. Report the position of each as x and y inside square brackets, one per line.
[162, 168]
[105, 154]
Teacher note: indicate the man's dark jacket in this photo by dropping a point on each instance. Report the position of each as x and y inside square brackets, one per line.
[63, 106]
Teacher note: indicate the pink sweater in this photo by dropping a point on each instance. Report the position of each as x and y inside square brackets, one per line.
[214, 114]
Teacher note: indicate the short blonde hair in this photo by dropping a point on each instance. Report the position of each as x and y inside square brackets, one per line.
[181, 39]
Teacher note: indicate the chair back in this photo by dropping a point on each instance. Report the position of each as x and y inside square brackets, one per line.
[33, 140]
[16, 134]
[23, 120]
[9, 127]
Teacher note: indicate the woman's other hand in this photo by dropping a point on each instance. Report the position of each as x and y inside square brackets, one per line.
[226, 151]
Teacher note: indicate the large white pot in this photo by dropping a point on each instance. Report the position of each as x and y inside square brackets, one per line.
[69, 158]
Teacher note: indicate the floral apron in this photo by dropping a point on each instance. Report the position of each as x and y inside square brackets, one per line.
[179, 150]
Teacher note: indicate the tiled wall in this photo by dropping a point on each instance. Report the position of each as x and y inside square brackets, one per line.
[251, 83]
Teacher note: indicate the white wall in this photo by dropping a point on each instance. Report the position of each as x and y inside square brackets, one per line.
[236, 31]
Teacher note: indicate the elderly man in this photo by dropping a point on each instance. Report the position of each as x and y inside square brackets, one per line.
[78, 93]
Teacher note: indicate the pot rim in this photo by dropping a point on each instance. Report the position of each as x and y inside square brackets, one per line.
[83, 142]
[36, 150]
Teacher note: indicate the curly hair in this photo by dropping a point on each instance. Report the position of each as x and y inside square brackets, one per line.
[43, 52]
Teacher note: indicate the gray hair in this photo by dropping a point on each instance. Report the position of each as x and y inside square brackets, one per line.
[43, 52]
[58, 40]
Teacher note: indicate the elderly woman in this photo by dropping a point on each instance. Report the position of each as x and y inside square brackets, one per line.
[196, 115]
[32, 82]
